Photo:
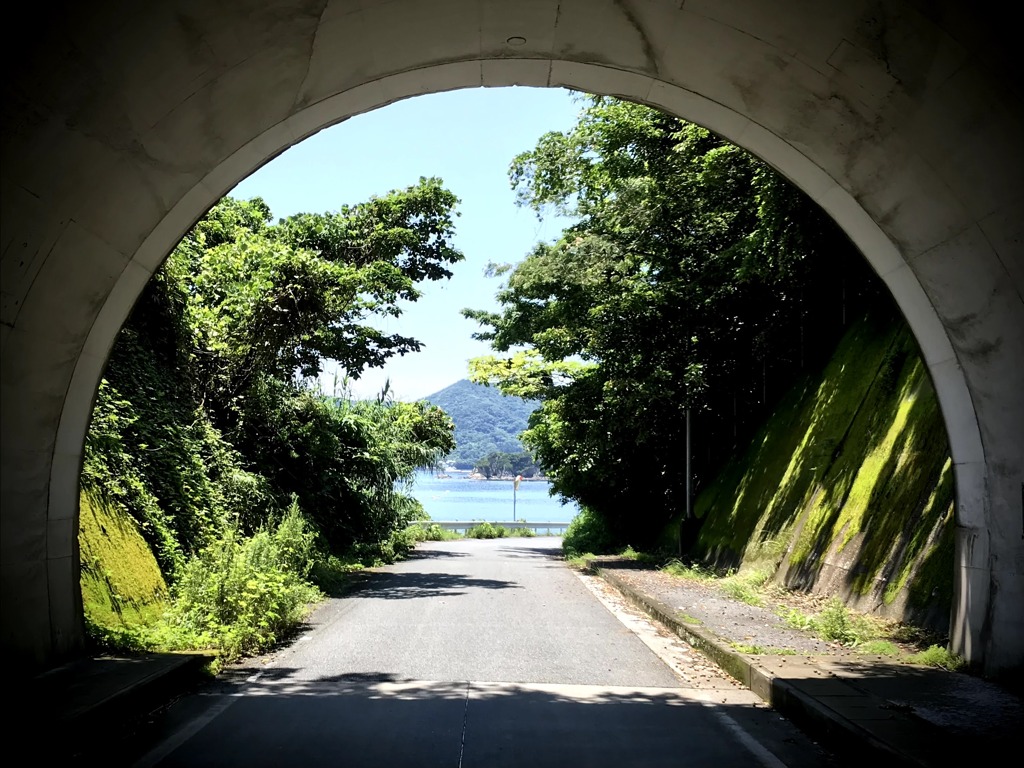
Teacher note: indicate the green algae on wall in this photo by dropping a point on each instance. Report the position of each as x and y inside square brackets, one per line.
[122, 586]
[847, 488]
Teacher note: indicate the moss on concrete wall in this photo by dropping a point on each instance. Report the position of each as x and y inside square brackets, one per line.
[848, 488]
[122, 586]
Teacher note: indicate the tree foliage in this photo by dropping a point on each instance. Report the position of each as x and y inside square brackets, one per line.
[207, 424]
[695, 279]
[501, 464]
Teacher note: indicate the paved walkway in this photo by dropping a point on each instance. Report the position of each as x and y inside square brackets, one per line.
[888, 712]
[863, 707]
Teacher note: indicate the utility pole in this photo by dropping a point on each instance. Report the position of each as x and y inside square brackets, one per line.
[689, 473]
[689, 510]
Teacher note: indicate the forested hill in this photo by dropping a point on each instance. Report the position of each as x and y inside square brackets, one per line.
[485, 420]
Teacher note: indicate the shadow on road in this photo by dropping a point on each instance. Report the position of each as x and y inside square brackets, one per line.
[377, 719]
[433, 554]
[552, 552]
[410, 585]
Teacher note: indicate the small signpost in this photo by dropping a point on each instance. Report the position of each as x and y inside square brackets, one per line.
[515, 488]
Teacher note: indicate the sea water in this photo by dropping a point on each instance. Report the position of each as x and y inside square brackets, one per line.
[460, 497]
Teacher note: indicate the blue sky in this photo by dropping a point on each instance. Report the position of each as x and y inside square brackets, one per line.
[467, 138]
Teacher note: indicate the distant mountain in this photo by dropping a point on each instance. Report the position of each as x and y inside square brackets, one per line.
[485, 420]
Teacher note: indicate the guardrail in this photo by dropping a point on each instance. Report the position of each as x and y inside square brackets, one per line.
[465, 525]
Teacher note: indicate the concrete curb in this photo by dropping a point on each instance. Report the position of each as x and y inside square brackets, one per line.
[779, 693]
[87, 697]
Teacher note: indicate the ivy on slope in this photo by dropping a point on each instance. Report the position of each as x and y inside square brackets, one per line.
[122, 586]
[852, 472]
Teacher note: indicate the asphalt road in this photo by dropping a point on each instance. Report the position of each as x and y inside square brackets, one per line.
[475, 654]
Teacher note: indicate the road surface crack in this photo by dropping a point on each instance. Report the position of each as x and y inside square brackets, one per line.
[465, 720]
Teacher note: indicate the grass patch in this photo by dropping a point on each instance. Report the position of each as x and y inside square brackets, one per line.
[582, 562]
[835, 623]
[435, 532]
[881, 648]
[746, 586]
[639, 557]
[763, 650]
[588, 533]
[797, 619]
[688, 619]
[486, 531]
[681, 570]
[491, 531]
[937, 656]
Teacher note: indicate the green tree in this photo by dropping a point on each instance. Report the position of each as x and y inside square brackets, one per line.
[207, 419]
[693, 276]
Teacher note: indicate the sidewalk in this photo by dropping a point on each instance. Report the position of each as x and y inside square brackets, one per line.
[71, 711]
[861, 706]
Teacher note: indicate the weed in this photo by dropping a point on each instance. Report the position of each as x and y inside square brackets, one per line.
[581, 562]
[241, 596]
[937, 656]
[745, 586]
[798, 620]
[487, 531]
[834, 623]
[332, 573]
[880, 648]
[742, 591]
[435, 532]
[683, 570]
[763, 650]
[587, 532]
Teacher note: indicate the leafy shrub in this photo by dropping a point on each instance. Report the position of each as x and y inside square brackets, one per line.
[588, 534]
[119, 640]
[834, 623]
[435, 532]
[695, 571]
[398, 544]
[798, 620]
[938, 656]
[487, 531]
[763, 650]
[331, 573]
[880, 648]
[241, 596]
[745, 586]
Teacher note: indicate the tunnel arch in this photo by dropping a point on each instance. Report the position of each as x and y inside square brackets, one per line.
[815, 98]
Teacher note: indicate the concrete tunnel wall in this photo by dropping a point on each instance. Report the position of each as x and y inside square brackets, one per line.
[124, 123]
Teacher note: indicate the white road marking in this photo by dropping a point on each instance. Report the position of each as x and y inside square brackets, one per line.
[171, 743]
[708, 689]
